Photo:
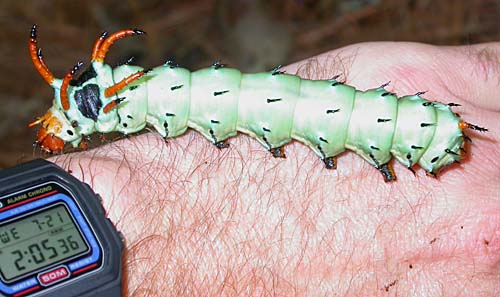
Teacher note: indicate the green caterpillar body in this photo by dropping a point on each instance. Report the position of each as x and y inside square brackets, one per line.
[272, 107]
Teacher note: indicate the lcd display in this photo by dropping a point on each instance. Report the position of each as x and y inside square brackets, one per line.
[38, 240]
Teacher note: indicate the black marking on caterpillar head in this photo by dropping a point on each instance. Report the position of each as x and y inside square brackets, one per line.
[448, 151]
[276, 70]
[69, 132]
[214, 122]
[336, 83]
[451, 104]
[266, 129]
[133, 88]
[168, 114]
[420, 93]
[383, 120]
[74, 123]
[271, 100]
[220, 92]
[173, 88]
[125, 125]
[88, 74]
[435, 159]
[416, 147]
[322, 139]
[427, 103]
[408, 156]
[374, 148]
[130, 117]
[88, 101]
[426, 124]
[387, 94]
[332, 110]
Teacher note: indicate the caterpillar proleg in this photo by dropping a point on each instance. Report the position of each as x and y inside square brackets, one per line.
[272, 107]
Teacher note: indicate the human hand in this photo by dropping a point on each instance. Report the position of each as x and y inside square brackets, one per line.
[203, 221]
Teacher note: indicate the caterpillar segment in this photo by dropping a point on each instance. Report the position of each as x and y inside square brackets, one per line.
[272, 107]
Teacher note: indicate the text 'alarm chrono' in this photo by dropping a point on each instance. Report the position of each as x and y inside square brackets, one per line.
[54, 237]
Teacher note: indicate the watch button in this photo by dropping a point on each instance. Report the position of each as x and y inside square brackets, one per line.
[53, 276]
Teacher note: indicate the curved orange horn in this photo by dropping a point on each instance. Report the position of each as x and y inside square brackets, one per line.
[104, 45]
[98, 43]
[65, 84]
[37, 58]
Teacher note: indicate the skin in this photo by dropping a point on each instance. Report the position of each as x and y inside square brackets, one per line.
[207, 222]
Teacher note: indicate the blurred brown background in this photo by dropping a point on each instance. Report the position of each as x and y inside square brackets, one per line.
[249, 35]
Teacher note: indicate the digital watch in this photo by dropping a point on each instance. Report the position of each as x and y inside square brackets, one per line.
[55, 239]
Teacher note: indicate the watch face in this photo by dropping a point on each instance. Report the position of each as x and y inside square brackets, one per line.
[45, 240]
[39, 240]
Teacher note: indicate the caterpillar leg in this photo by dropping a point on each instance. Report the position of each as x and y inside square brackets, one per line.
[387, 172]
[330, 162]
[278, 152]
[222, 144]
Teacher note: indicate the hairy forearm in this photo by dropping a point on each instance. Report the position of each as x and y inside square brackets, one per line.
[202, 221]
[199, 221]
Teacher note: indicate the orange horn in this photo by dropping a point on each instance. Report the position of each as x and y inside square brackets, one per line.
[37, 58]
[101, 47]
[65, 84]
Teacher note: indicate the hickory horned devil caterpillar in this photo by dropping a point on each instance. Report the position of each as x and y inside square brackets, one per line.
[273, 107]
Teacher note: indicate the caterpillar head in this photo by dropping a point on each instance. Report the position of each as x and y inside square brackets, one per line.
[79, 103]
[55, 130]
